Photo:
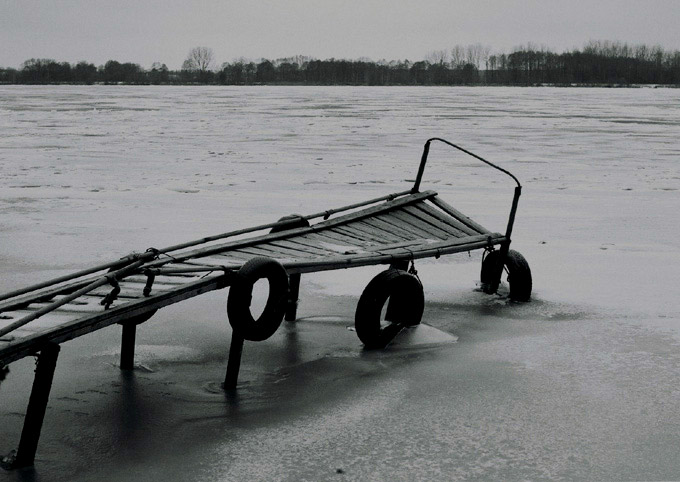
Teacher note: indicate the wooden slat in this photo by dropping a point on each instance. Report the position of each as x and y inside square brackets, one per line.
[426, 228]
[350, 238]
[83, 304]
[385, 234]
[436, 222]
[333, 237]
[412, 230]
[305, 240]
[51, 319]
[339, 221]
[334, 246]
[283, 252]
[396, 231]
[458, 215]
[125, 292]
[413, 245]
[25, 346]
[217, 260]
[378, 235]
[448, 219]
[453, 245]
[351, 231]
[295, 245]
[141, 280]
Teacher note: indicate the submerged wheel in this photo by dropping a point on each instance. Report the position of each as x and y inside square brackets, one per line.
[240, 297]
[406, 304]
[519, 275]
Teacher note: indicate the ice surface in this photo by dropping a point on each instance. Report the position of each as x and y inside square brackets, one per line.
[579, 383]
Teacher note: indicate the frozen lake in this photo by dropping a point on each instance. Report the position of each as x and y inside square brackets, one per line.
[580, 383]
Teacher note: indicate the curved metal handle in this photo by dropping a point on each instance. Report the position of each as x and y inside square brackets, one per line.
[426, 150]
[518, 188]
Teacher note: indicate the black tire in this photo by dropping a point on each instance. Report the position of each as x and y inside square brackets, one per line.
[519, 275]
[407, 303]
[292, 221]
[240, 297]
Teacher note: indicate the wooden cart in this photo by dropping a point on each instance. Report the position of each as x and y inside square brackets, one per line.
[394, 230]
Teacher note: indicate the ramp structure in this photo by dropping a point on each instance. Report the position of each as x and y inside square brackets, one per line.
[393, 230]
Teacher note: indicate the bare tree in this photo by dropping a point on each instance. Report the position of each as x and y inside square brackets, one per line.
[440, 57]
[200, 59]
[457, 56]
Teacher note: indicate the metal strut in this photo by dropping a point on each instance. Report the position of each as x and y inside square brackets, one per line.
[505, 246]
[24, 455]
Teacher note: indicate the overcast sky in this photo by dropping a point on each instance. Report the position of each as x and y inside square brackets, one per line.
[144, 31]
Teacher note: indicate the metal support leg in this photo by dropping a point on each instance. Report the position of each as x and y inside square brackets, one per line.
[234, 363]
[392, 311]
[127, 346]
[35, 413]
[498, 274]
[291, 308]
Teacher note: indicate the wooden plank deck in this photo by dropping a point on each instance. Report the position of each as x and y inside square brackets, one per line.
[410, 227]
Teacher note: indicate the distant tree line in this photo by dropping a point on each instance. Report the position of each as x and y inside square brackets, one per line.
[599, 62]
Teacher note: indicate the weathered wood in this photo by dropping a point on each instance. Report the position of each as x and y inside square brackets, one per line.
[330, 212]
[385, 207]
[458, 215]
[333, 237]
[234, 363]
[384, 234]
[448, 219]
[436, 222]
[350, 230]
[71, 276]
[127, 346]
[67, 308]
[37, 405]
[278, 252]
[407, 228]
[134, 292]
[404, 244]
[293, 295]
[295, 245]
[394, 230]
[373, 235]
[19, 348]
[140, 279]
[427, 229]
[35, 292]
[308, 244]
[38, 313]
[454, 245]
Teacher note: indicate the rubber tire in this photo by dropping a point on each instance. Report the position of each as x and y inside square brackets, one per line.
[404, 290]
[241, 293]
[519, 275]
[292, 221]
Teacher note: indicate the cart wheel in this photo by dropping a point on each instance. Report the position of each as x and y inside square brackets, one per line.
[240, 296]
[519, 275]
[406, 305]
[292, 221]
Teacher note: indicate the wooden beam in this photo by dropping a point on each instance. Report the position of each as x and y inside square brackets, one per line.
[127, 346]
[458, 215]
[19, 348]
[319, 227]
[37, 405]
[234, 363]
